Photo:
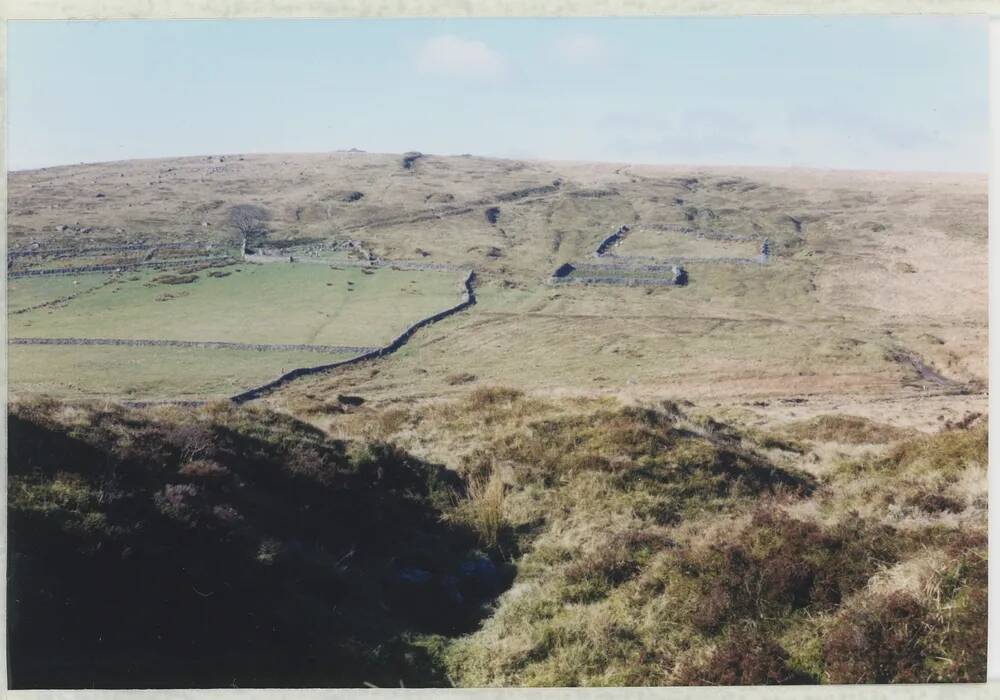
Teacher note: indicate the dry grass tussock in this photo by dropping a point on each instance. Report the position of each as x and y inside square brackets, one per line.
[481, 507]
[850, 430]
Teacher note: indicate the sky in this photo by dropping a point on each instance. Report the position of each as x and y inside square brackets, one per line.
[877, 93]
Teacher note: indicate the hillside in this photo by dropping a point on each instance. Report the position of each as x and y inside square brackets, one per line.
[628, 546]
[608, 424]
[863, 272]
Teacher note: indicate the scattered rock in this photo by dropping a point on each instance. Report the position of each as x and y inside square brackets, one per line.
[479, 578]
[459, 378]
[414, 576]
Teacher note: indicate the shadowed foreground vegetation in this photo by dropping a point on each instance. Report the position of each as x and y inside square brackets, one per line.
[627, 544]
[225, 547]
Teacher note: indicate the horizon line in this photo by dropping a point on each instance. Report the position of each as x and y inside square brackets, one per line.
[530, 159]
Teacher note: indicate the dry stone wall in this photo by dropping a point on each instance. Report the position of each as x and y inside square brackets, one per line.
[468, 299]
[179, 262]
[199, 344]
[99, 250]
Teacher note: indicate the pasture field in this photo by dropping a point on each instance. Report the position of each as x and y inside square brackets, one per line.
[28, 292]
[148, 373]
[272, 303]
[276, 303]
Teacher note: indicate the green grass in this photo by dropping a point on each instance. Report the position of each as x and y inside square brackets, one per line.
[147, 373]
[31, 291]
[274, 303]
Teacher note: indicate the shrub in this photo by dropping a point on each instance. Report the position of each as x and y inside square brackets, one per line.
[947, 452]
[778, 564]
[851, 430]
[616, 560]
[879, 641]
[934, 501]
[203, 469]
[175, 279]
[459, 378]
[745, 657]
[487, 397]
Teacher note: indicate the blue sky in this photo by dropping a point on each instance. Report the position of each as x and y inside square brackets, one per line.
[900, 93]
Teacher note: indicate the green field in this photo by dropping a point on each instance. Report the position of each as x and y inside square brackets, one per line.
[31, 291]
[274, 303]
[148, 373]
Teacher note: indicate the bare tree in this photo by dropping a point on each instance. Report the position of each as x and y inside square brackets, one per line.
[250, 221]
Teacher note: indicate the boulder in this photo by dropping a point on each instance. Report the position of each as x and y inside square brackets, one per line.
[479, 578]
[413, 576]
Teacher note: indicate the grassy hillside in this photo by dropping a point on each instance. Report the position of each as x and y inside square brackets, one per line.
[630, 545]
[863, 264]
[658, 545]
[775, 473]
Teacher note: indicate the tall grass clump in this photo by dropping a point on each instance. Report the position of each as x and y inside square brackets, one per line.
[482, 506]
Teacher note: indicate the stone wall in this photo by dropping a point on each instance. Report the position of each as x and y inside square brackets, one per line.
[468, 299]
[623, 281]
[702, 233]
[125, 248]
[614, 239]
[391, 264]
[180, 262]
[199, 344]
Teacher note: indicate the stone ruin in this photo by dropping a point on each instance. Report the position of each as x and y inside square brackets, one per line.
[563, 270]
[680, 275]
[765, 250]
[409, 158]
[611, 241]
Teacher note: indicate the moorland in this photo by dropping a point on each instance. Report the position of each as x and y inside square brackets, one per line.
[744, 442]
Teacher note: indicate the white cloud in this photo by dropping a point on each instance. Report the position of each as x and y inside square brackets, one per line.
[580, 48]
[451, 55]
